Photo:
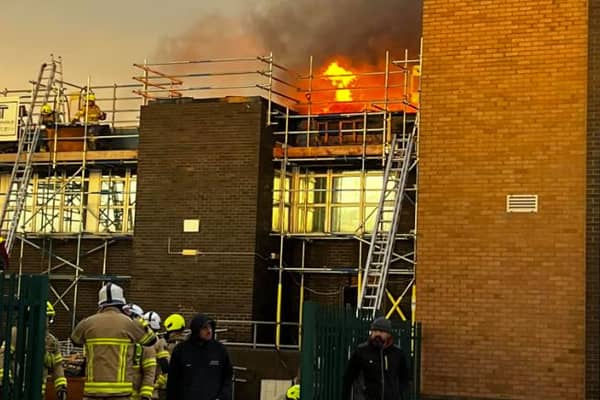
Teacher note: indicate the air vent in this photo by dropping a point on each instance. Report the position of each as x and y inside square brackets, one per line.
[522, 203]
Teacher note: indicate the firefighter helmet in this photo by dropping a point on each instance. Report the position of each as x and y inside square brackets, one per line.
[153, 320]
[111, 295]
[46, 109]
[133, 310]
[293, 393]
[90, 97]
[175, 322]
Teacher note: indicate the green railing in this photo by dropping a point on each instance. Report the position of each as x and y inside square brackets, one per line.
[23, 331]
[330, 334]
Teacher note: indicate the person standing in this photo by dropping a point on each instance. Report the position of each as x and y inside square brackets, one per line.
[162, 357]
[109, 338]
[200, 368]
[53, 360]
[382, 364]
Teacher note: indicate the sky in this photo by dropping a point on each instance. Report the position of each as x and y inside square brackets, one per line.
[101, 39]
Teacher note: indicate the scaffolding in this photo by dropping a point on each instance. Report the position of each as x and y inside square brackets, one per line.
[317, 126]
[317, 136]
[76, 192]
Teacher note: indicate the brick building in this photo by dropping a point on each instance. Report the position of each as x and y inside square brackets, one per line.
[509, 301]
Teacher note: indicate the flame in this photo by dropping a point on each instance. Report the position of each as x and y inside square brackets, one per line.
[341, 78]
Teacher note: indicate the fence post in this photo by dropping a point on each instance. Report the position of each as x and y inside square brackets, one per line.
[23, 315]
[307, 360]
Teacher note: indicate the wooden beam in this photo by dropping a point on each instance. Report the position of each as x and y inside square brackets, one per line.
[329, 151]
[61, 156]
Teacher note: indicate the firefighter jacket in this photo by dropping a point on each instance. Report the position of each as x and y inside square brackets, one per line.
[143, 369]
[174, 338]
[109, 338]
[162, 367]
[95, 114]
[13, 344]
[53, 364]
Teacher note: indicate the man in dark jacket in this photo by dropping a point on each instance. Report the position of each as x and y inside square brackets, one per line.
[383, 366]
[200, 368]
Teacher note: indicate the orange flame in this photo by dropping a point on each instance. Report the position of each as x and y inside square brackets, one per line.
[341, 78]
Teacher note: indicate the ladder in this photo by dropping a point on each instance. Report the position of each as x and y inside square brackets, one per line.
[383, 239]
[29, 133]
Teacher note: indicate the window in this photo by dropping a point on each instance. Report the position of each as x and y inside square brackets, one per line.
[68, 204]
[278, 207]
[329, 202]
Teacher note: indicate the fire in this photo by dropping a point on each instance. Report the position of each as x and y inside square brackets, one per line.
[341, 78]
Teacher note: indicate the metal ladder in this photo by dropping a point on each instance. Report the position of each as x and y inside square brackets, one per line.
[397, 167]
[29, 134]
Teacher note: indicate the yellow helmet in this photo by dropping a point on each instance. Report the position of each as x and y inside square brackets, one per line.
[293, 393]
[174, 322]
[90, 97]
[46, 109]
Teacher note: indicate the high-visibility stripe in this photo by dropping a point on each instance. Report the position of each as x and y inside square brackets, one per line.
[108, 341]
[122, 364]
[60, 381]
[58, 359]
[149, 362]
[161, 382]
[147, 338]
[162, 354]
[146, 391]
[107, 387]
[90, 363]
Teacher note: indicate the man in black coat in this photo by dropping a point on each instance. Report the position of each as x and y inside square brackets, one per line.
[200, 368]
[383, 366]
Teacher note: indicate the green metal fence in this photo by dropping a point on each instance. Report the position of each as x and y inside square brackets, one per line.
[23, 331]
[330, 334]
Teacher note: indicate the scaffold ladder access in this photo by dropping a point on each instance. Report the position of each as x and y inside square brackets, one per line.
[397, 167]
[29, 133]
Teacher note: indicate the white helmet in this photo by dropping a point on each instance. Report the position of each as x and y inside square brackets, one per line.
[111, 295]
[133, 310]
[153, 320]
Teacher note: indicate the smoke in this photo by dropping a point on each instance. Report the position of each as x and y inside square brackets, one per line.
[356, 30]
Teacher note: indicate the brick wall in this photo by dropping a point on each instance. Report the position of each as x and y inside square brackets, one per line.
[203, 160]
[502, 296]
[593, 208]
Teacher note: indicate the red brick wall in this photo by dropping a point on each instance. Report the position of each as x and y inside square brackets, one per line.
[502, 296]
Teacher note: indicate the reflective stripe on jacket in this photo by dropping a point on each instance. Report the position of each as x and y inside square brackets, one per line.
[143, 370]
[109, 339]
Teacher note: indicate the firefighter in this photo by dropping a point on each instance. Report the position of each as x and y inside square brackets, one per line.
[162, 357]
[48, 116]
[91, 115]
[143, 367]
[109, 338]
[13, 343]
[47, 121]
[53, 361]
[94, 113]
[175, 326]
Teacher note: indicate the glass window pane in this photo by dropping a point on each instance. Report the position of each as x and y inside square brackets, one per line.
[345, 219]
[313, 190]
[346, 189]
[275, 227]
[311, 219]
[373, 185]
[371, 216]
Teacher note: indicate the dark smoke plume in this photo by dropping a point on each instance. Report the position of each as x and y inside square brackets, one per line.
[357, 30]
